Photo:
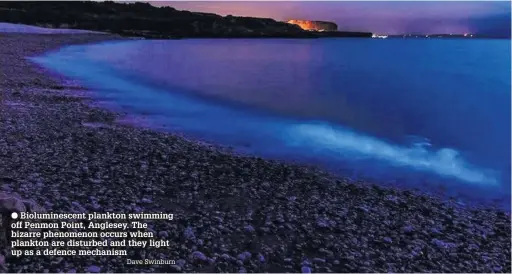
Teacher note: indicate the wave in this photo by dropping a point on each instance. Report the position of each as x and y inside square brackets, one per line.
[338, 141]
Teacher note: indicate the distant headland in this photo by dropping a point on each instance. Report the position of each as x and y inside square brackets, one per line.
[144, 20]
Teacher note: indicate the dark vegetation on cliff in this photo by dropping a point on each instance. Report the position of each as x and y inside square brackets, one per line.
[143, 19]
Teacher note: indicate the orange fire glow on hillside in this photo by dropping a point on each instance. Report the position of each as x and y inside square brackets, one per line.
[305, 25]
[314, 25]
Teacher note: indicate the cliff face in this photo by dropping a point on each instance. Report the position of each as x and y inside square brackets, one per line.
[142, 19]
[145, 20]
[315, 25]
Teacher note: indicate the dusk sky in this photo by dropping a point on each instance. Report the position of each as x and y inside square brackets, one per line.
[378, 17]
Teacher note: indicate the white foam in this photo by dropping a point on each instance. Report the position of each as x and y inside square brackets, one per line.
[20, 28]
[445, 161]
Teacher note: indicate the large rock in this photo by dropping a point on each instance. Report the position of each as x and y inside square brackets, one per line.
[9, 203]
[315, 25]
[12, 202]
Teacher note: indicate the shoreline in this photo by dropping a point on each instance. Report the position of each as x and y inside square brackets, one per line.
[232, 212]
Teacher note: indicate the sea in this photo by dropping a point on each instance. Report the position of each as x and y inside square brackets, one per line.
[431, 115]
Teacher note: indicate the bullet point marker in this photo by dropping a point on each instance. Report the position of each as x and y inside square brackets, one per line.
[14, 215]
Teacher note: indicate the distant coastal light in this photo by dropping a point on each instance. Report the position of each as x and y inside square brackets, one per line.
[379, 36]
[432, 35]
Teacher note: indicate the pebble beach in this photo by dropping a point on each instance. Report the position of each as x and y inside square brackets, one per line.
[232, 213]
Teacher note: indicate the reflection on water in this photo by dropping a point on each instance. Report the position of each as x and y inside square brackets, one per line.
[381, 87]
[440, 106]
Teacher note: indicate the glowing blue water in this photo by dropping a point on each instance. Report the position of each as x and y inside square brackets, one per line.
[423, 112]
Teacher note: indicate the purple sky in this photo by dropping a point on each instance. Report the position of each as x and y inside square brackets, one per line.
[377, 17]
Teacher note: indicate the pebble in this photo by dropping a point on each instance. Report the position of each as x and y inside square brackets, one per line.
[408, 229]
[443, 244]
[176, 268]
[57, 260]
[322, 223]
[76, 204]
[392, 198]
[249, 229]
[305, 269]
[497, 269]
[181, 263]
[244, 256]
[189, 234]
[93, 269]
[319, 260]
[146, 201]
[199, 256]
[435, 230]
